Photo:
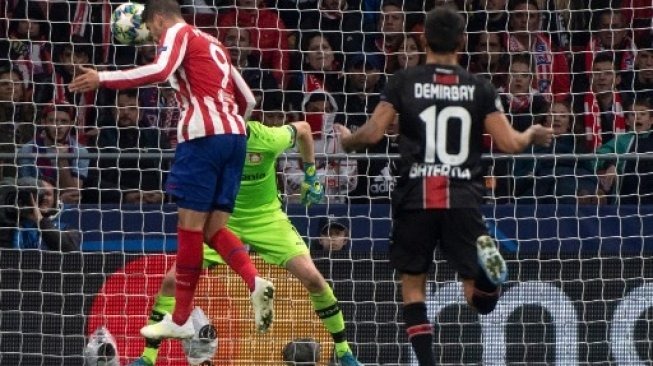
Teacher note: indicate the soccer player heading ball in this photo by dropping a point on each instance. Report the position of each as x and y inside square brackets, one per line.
[443, 112]
[209, 159]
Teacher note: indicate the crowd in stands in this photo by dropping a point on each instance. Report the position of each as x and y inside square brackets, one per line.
[583, 68]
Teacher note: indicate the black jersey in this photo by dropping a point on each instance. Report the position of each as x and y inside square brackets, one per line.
[442, 110]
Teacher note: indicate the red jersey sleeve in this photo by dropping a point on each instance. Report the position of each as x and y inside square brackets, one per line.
[172, 50]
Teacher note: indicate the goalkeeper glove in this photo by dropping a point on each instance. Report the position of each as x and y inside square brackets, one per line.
[312, 190]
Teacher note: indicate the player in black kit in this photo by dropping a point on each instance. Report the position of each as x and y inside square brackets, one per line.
[443, 112]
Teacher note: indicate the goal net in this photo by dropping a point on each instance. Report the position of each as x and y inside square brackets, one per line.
[572, 219]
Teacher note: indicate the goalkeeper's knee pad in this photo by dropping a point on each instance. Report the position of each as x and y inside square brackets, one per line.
[485, 302]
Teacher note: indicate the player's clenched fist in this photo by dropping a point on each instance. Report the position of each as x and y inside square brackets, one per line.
[312, 190]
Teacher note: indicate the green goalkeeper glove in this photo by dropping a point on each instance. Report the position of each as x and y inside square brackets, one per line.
[312, 190]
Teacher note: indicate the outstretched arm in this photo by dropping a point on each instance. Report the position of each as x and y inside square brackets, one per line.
[172, 52]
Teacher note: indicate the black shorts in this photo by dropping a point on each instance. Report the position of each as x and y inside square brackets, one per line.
[416, 233]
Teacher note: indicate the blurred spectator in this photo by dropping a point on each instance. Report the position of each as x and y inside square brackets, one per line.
[556, 21]
[238, 43]
[67, 59]
[164, 115]
[491, 16]
[339, 23]
[27, 45]
[552, 71]
[410, 53]
[132, 180]
[33, 222]
[68, 174]
[158, 104]
[268, 34]
[637, 15]
[642, 82]
[391, 28]
[377, 176]
[629, 181]
[611, 35]
[524, 105]
[89, 20]
[362, 87]
[333, 235]
[301, 352]
[15, 125]
[320, 71]
[489, 59]
[289, 11]
[338, 175]
[555, 181]
[602, 105]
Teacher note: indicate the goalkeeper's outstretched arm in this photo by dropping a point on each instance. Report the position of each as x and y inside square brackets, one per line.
[305, 141]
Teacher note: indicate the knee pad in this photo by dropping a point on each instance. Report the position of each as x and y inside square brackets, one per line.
[484, 302]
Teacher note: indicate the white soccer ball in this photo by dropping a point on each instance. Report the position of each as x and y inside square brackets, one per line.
[127, 24]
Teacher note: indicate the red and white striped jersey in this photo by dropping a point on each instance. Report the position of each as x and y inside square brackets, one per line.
[210, 90]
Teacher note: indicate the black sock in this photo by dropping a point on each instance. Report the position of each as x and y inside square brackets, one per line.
[420, 332]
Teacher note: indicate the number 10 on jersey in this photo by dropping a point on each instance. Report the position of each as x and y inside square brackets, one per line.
[437, 127]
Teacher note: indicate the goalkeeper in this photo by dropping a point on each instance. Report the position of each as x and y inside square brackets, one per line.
[260, 222]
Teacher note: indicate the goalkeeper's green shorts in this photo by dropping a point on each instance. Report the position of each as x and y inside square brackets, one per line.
[276, 242]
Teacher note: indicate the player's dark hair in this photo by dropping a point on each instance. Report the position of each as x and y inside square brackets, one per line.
[169, 8]
[444, 30]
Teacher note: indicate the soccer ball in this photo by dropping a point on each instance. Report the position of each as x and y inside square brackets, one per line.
[127, 24]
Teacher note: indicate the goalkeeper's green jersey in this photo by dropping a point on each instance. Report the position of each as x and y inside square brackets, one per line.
[259, 196]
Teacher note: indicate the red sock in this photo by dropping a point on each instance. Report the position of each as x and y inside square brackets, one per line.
[189, 266]
[232, 250]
